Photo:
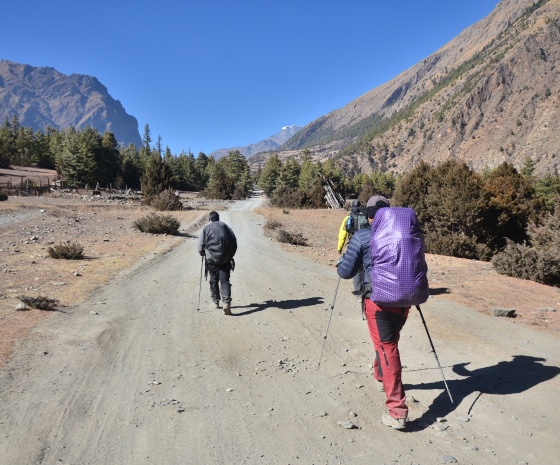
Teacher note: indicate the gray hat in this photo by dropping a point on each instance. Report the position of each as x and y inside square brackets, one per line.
[377, 201]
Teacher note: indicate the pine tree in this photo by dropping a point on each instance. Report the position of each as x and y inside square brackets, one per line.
[157, 178]
[268, 180]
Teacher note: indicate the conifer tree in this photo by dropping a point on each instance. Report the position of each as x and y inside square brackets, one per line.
[268, 180]
[157, 178]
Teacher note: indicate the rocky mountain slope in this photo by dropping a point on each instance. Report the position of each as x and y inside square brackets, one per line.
[270, 143]
[43, 97]
[488, 96]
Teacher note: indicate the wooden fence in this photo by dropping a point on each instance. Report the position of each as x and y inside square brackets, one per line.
[26, 187]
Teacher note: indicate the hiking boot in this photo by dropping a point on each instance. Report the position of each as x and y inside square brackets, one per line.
[216, 305]
[227, 308]
[379, 385]
[396, 423]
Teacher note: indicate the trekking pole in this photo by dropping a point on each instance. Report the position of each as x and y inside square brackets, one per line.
[329, 323]
[200, 283]
[434, 350]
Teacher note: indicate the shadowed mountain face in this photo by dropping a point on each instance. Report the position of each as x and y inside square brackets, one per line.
[488, 96]
[43, 97]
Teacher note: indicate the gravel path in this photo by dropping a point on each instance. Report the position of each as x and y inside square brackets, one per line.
[136, 375]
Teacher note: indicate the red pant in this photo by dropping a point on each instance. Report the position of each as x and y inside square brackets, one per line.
[385, 325]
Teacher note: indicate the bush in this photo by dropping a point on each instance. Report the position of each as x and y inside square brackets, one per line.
[157, 224]
[272, 224]
[291, 238]
[166, 201]
[70, 251]
[455, 245]
[39, 302]
[240, 193]
[453, 207]
[540, 260]
[522, 261]
[3, 196]
[285, 197]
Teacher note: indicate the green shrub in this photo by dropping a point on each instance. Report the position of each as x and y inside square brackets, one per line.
[69, 251]
[291, 238]
[453, 208]
[525, 262]
[166, 201]
[240, 193]
[284, 197]
[539, 260]
[157, 224]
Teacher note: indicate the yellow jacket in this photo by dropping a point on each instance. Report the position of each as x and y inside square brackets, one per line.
[343, 234]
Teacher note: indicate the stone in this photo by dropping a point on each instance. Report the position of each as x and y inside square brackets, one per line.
[448, 459]
[347, 424]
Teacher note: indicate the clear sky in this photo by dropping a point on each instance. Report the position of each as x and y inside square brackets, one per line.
[210, 74]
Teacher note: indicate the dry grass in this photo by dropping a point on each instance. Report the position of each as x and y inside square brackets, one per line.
[110, 245]
[469, 282]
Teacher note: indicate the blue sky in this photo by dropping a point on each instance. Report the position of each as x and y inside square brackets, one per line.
[210, 74]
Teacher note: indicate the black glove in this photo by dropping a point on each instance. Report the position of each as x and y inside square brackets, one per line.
[201, 253]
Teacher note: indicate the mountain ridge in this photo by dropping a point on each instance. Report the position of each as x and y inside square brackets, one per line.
[495, 83]
[42, 97]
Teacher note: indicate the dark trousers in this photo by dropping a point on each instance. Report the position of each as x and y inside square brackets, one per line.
[219, 274]
[385, 326]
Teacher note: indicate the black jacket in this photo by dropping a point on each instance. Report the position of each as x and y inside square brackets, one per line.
[356, 258]
[217, 242]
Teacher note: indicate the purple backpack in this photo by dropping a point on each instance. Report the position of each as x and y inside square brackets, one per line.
[398, 267]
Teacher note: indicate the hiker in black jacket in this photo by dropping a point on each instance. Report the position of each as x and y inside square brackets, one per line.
[218, 244]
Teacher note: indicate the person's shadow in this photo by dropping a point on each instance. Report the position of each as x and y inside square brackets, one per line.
[511, 377]
[282, 304]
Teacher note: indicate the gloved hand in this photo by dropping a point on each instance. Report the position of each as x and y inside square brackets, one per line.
[339, 261]
[201, 253]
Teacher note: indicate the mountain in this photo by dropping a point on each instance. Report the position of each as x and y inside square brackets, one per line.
[43, 97]
[271, 143]
[488, 96]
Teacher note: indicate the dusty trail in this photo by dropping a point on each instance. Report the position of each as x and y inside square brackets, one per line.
[137, 376]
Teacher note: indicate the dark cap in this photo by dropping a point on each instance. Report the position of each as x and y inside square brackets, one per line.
[213, 216]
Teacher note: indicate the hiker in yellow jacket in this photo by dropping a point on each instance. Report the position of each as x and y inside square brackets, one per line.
[343, 234]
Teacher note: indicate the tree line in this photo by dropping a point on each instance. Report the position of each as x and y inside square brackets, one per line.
[509, 216]
[86, 158]
[505, 215]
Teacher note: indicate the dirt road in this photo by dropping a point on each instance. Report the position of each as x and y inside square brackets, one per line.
[136, 375]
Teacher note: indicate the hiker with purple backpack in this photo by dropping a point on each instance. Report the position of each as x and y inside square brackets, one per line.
[391, 252]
